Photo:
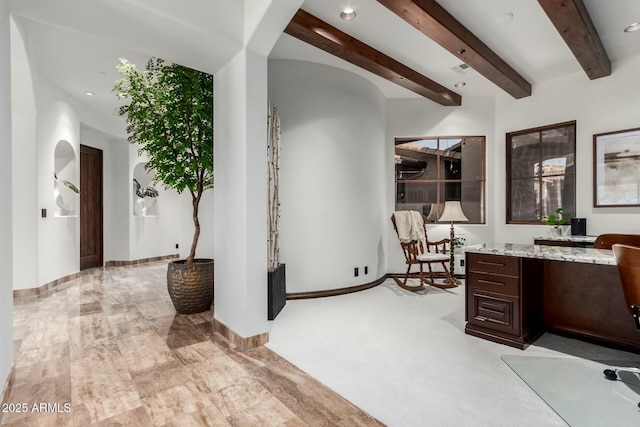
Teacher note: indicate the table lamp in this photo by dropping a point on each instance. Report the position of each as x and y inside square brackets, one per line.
[452, 212]
[434, 212]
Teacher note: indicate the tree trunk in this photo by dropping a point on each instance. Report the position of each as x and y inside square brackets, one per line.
[196, 223]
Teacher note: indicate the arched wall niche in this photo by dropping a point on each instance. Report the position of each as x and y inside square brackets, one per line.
[143, 206]
[65, 189]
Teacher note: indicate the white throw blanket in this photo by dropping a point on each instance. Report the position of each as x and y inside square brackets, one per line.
[410, 226]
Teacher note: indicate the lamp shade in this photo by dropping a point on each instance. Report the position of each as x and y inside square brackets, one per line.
[453, 212]
[434, 213]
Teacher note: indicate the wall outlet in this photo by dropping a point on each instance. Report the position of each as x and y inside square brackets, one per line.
[43, 212]
[366, 269]
[356, 272]
[177, 246]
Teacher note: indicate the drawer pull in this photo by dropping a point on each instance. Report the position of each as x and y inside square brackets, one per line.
[499, 264]
[489, 282]
[481, 318]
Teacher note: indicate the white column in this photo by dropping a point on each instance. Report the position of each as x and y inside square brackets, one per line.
[25, 174]
[240, 194]
[6, 255]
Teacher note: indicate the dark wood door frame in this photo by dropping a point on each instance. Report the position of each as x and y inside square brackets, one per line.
[91, 204]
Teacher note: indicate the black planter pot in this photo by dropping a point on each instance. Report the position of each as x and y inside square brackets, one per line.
[276, 291]
[190, 286]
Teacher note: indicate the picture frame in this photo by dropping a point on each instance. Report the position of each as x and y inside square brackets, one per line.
[616, 168]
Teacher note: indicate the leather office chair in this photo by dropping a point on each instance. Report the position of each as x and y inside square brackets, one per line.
[605, 241]
[628, 261]
[425, 253]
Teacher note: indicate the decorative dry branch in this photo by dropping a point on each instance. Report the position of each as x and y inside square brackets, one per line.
[273, 158]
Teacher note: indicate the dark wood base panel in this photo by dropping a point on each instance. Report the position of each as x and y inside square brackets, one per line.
[336, 292]
[519, 342]
[586, 301]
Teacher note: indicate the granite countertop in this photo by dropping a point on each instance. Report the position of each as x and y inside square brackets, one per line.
[589, 239]
[557, 253]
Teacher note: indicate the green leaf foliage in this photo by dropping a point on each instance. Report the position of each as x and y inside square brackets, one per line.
[68, 184]
[148, 191]
[559, 218]
[170, 114]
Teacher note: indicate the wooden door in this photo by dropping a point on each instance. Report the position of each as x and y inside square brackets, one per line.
[90, 207]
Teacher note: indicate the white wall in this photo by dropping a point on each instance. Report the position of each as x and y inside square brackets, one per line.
[44, 117]
[264, 21]
[332, 185]
[115, 191]
[6, 256]
[602, 105]
[24, 202]
[421, 117]
[240, 196]
[153, 235]
[58, 237]
[117, 212]
[125, 237]
[128, 237]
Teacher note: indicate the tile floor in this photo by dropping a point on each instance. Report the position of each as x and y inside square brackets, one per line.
[109, 349]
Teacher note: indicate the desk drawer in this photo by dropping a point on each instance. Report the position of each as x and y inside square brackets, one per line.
[499, 264]
[494, 312]
[495, 283]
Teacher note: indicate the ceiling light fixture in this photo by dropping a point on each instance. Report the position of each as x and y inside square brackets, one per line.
[89, 93]
[461, 84]
[348, 14]
[633, 27]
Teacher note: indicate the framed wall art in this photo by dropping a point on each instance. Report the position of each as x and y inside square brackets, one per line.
[616, 168]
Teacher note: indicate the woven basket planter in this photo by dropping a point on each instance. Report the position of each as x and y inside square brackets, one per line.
[190, 286]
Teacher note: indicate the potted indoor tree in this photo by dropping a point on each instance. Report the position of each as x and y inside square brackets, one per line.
[170, 116]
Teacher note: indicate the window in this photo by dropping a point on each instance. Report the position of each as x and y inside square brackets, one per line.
[430, 171]
[541, 172]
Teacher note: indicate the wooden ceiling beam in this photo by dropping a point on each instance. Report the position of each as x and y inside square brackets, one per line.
[320, 34]
[435, 22]
[571, 19]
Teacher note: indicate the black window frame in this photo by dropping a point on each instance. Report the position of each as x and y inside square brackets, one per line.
[539, 175]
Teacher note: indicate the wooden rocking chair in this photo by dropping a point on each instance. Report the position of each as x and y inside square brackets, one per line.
[419, 253]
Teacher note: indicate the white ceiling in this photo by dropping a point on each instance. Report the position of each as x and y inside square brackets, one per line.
[529, 42]
[77, 43]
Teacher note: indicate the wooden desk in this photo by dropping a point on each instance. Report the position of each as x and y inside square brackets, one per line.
[570, 291]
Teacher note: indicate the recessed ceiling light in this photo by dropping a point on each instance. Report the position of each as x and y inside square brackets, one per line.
[89, 93]
[348, 14]
[461, 84]
[633, 27]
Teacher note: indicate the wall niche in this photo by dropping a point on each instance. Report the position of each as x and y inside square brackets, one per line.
[65, 190]
[145, 195]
